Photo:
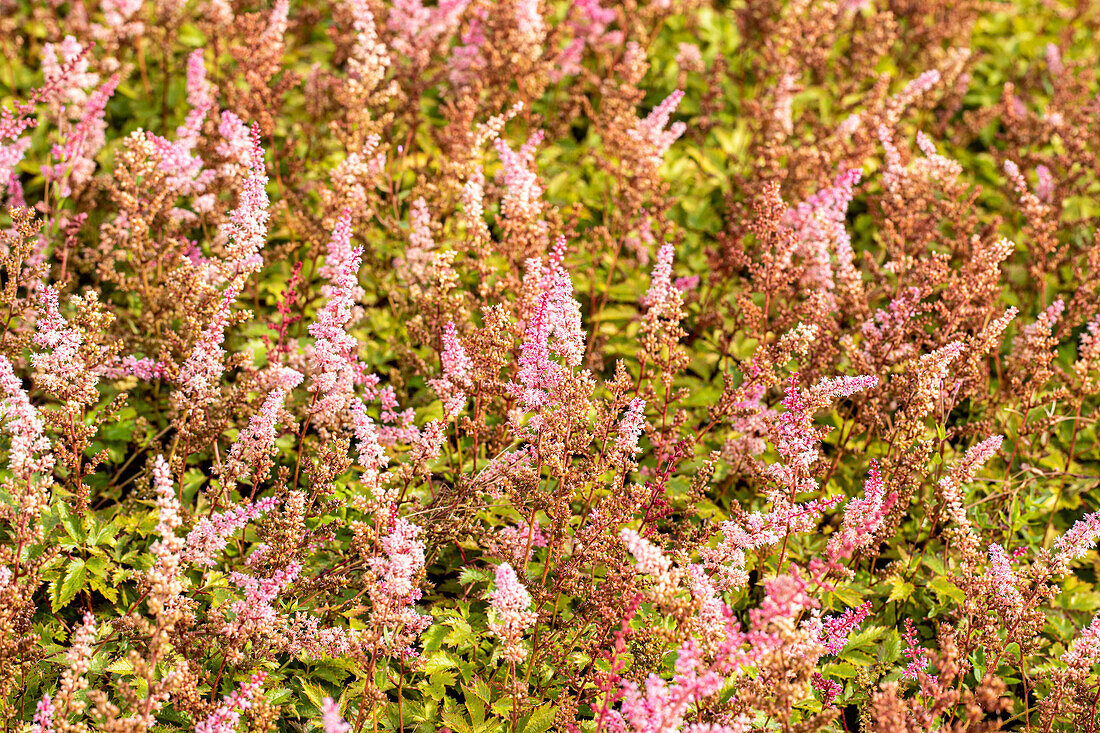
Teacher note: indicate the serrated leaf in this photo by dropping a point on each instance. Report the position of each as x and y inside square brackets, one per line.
[944, 588]
[901, 591]
[314, 693]
[891, 647]
[109, 592]
[73, 526]
[454, 719]
[73, 581]
[866, 636]
[120, 666]
[540, 720]
[474, 575]
[461, 633]
[437, 661]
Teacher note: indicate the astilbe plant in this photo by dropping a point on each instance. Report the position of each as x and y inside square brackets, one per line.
[493, 365]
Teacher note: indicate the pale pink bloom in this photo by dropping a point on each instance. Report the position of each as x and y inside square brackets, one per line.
[1044, 189]
[185, 174]
[399, 427]
[1043, 326]
[166, 582]
[10, 156]
[331, 721]
[1088, 350]
[662, 706]
[211, 534]
[796, 437]
[935, 166]
[417, 27]
[849, 126]
[117, 13]
[200, 94]
[253, 615]
[247, 227]
[201, 373]
[227, 716]
[686, 284]
[1076, 542]
[1003, 579]
[271, 40]
[727, 560]
[783, 106]
[538, 374]
[818, 226]
[862, 517]
[511, 605]
[631, 427]
[689, 57]
[185, 171]
[653, 562]
[1053, 56]
[530, 26]
[235, 144]
[786, 597]
[418, 255]
[457, 368]
[65, 67]
[522, 190]
[1084, 652]
[662, 294]
[62, 369]
[563, 312]
[145, 369]
[962, 472]
[924, 83]
[372, 456]
[255, 445]
[428, 446]
[334, 365]
[369, 59]
[883, 331]
[473, 206]
[1013, 172]
[395, 595]
[43, 716]
[75, 158]
[710, 620]
[339, 252]
[654, 140]
[467, 58]
[30, 448]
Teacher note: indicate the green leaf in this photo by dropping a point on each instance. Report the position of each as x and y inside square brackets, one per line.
[71, 524]
[120, 666]
[75, 575]
[901, 591]
[540, 720]
[109, 592]
[314, 693]
[474, 575]
[945, 588]
[891, 647]
[438, 661]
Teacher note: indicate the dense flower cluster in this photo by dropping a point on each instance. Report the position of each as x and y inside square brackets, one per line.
[531, 365]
